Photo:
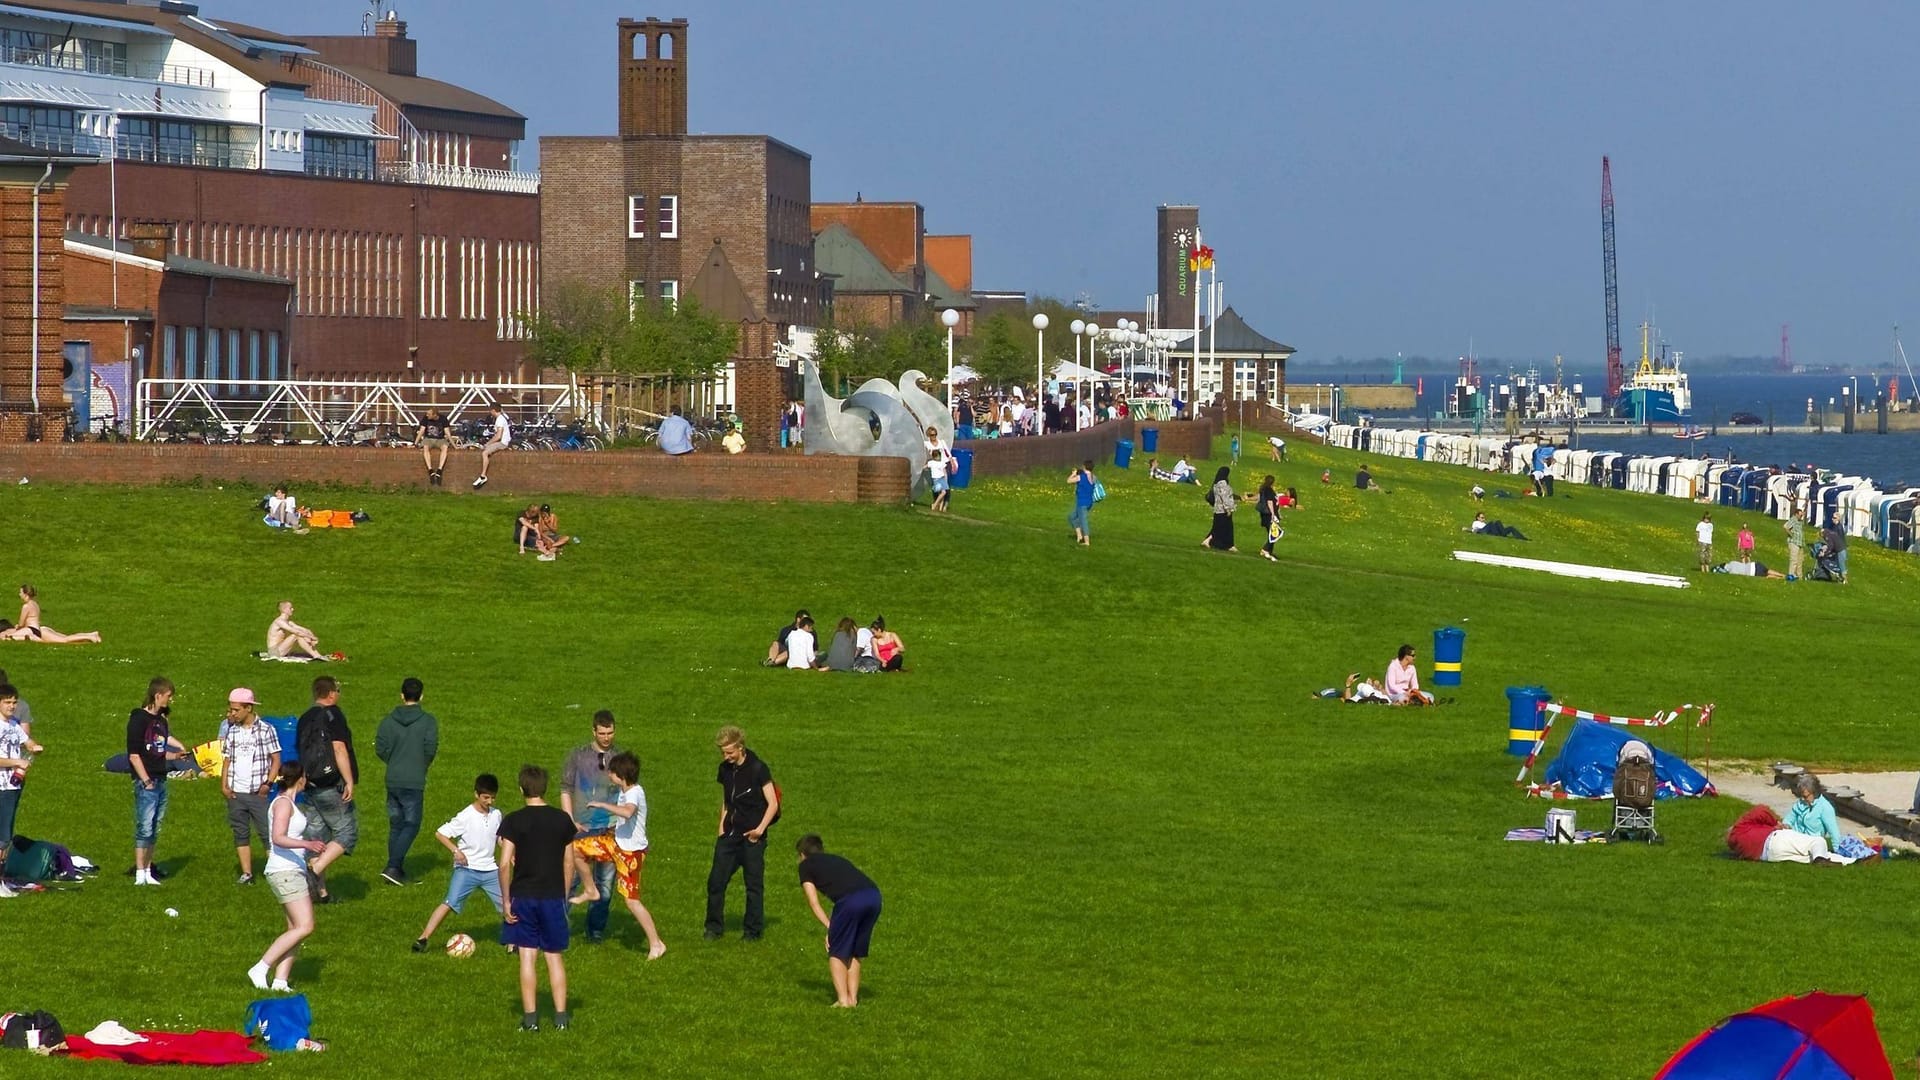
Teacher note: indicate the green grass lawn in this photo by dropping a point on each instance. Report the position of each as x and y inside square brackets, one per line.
[1115, 834]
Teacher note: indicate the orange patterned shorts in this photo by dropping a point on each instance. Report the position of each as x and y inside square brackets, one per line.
[626, 872]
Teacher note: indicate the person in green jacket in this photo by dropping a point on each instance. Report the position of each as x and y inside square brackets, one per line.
[408, 739]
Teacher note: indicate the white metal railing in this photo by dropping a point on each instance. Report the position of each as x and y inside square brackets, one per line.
[70, 60]
[502, 180]
[342, 411]
[59, 140]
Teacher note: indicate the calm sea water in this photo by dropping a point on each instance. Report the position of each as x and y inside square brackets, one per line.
[1890, 459]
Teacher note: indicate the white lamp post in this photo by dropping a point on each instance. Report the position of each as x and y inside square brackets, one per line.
[1093, 358]
[1040, 369]
[951, 319]
[1077, 327]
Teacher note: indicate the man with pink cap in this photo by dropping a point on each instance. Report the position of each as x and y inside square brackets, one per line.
[251, 751]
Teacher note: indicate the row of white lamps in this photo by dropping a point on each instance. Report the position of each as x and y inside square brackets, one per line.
[1127, 333]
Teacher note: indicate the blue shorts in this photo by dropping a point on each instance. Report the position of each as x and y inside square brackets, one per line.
[542, 925]
[466, 880]
[850, 929]
[939, 481]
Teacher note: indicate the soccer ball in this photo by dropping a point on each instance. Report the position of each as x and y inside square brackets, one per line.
[459, 945]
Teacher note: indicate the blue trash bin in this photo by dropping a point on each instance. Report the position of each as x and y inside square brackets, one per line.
[1123, 454]
[1449, 649]
[1525, 718]
[962, 469]
[1149, 440]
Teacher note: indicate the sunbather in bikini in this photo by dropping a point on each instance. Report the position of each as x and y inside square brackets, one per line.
[29, 628]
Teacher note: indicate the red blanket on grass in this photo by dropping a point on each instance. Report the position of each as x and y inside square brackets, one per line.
[174, 1048]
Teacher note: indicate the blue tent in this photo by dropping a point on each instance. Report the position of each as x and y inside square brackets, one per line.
[1585, 764]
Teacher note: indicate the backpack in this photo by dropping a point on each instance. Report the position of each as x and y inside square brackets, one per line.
[1633, 784]
[316, 755]
[282, 1022]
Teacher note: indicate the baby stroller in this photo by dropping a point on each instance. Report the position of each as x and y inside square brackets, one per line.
[1826, 563]
[1633, 788]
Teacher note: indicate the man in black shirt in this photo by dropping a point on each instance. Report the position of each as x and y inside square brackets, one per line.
[748, 804]
[535, 878]
[856, 907]
[433, 436]
[326, 753]
[150, 745]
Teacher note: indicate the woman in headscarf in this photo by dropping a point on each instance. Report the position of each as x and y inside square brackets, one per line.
[1223, 500]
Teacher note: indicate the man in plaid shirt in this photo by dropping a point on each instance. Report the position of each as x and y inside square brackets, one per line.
[252, 753]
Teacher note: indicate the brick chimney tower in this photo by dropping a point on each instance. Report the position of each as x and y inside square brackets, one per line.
[653, 77]
[397, 53]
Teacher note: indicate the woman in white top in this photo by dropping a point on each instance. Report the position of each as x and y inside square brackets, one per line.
[287, 874]
[937, 454]
[630, 843]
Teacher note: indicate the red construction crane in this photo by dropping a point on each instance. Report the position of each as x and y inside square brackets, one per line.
[1616, 375]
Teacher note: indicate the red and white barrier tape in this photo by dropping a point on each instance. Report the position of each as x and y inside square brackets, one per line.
[1551, 709]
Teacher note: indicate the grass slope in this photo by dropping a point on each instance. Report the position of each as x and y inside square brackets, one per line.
[1115, 834]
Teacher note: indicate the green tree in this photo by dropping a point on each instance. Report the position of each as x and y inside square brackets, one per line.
[576, 328]
[997, 352]
[589, 328]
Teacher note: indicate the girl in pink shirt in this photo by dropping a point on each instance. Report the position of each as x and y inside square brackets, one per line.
[1745, 544]
[1403, 680]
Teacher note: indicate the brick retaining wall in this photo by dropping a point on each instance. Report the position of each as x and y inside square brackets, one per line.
[649, 473]
[1008, 457]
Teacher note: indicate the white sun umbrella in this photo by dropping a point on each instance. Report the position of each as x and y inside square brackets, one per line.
[962, 374]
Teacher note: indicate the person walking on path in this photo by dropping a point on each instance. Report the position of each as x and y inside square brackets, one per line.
[1268, 502]
[630, 843]
[150, 745]
[856, 907]
[1796, 545]
[1703, 539]
[407, 741]
[287, 875]
[251, 754]
[749, 803]
[1743, 544]
[938, 453]
[1222, 499]
[1836, 540]
[534, 881]
[1083, 484]
[584, 780]
[332, 771]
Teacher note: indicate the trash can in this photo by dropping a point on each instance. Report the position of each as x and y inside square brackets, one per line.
[1525, 718]
[1123, 454]
[962, 469]
[1449, 646]
[1149, 440]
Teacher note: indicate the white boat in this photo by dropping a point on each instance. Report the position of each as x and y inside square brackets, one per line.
[1657, 392]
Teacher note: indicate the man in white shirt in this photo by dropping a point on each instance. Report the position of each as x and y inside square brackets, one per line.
[1703, 537]
[800, 654]
[471, 836]
[500, 439]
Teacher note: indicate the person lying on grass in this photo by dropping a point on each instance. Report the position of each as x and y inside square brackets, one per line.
[1480, 526]
[29, 628]
[1749, 569]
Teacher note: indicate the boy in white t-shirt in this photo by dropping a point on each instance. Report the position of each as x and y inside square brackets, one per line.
[800, 647]
[472, 837]
[630, 843]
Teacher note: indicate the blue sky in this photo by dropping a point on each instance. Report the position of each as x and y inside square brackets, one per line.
[1376, 178]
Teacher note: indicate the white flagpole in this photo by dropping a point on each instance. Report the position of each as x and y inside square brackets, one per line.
[1213, 316]
[1194, 391]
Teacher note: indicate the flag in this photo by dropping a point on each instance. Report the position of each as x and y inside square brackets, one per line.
[1202, 258]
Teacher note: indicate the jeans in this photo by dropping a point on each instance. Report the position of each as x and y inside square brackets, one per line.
[149, 809]
[1078, 518]
[599, 910]
[732, 853]
[405, 806]
[9, 806]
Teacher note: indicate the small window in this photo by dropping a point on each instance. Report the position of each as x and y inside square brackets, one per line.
[636, 217]
[669, 217]
[636, 294]
[670, 293]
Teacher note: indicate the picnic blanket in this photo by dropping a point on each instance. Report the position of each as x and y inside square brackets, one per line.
[172, 1048]
[1539, 835]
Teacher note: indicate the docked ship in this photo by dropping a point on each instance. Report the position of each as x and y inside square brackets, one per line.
[1658, 391]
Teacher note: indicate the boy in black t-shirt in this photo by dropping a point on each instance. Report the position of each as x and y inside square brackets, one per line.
[856, 907]
[535, 877]
[150, 745]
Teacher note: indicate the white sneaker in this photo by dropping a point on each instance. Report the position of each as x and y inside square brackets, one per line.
[257, 974]
[145, 878]
[6, 893]
[547, 557]
[280, 986]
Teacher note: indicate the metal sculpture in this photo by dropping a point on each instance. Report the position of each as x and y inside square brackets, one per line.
[878, 419]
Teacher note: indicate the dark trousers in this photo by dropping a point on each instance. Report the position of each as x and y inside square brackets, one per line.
[732, 853]
[405, 807]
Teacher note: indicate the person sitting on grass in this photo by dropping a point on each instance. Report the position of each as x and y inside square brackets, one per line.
[800, 646]
[1482, 527]
[887, 647]
[550, 530]
[283, 511]
[1760, 835]
[526, 532]
[1812, 815]
[1290, 500]
[287, 638]
[844, 649]
[777, 652]
[29, 628]
[1155, 472]
[1184, 472]
[1403, 680]
[1749, 568]
[1363, 480]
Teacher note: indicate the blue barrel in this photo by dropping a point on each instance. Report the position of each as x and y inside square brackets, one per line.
[287, 728]
[962, 469]
[1525, 718]
[1149, 440]
[1449, 648]
[1123, 454]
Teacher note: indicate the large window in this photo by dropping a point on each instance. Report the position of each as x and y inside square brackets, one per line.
[636, 217]
[337, 156]
[669, 217]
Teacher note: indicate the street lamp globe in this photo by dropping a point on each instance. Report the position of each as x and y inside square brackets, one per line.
[1093, 330]
[1040, 321]
[950, 318]
[1076, 327]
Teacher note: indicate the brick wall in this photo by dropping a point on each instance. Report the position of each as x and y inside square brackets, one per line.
[703, 476]
[17, 296]
[1008, 457]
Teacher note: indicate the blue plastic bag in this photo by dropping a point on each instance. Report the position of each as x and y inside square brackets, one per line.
[282, 1021]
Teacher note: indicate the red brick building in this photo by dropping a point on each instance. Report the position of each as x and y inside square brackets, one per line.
[884, 264]
[390, 200]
